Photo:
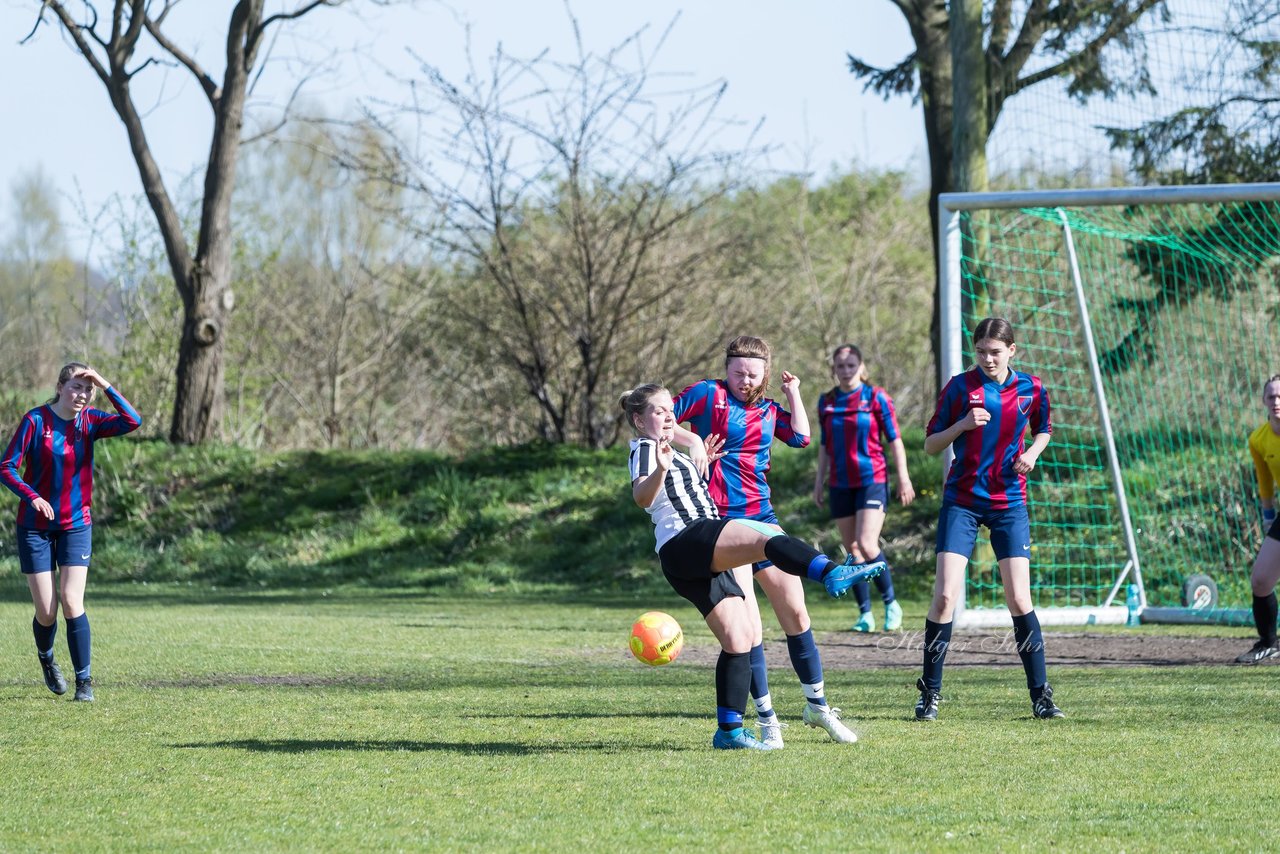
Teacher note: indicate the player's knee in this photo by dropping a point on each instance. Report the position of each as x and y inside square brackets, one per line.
[944, 603]
[737, 638]
[869, 549]
[1019, 604]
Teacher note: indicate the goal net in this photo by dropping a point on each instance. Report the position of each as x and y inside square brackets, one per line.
[1153, 317]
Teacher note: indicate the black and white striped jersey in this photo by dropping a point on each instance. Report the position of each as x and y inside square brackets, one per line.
[683, 498]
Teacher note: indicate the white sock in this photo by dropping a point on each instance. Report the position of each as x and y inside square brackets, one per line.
[816, 694]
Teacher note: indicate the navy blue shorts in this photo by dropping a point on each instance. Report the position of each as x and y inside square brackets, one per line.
[958, 530]
[38, 550]
[847, 502]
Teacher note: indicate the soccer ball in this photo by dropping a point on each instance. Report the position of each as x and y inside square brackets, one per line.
[656, 638]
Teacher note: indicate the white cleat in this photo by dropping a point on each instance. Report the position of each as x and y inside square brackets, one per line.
[771, 731]
[828, 718]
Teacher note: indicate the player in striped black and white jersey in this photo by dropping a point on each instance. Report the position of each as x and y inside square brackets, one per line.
[985, 413]
[53, 448]
[706, 558]
[737, 411]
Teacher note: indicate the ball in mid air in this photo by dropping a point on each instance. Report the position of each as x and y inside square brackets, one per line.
[656, 638]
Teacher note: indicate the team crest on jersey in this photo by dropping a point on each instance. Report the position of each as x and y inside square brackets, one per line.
[975, 398]
[1024, 403]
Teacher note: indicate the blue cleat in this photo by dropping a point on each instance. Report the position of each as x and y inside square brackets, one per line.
[744, 740]
[892, 616]
[842, 577]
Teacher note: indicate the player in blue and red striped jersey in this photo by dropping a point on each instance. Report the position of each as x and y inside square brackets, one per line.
[985, 413]
[737, 410]
[706, 557]
[53, 448]
[856, 421]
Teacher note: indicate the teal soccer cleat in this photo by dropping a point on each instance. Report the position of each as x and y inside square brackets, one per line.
[892, 616]
[866, 623]
[744, 740]
[842, 577]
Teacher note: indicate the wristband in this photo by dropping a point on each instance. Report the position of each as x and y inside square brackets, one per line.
[1268, 516]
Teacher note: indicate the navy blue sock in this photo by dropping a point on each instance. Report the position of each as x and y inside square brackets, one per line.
[1264, 617]
[760, 682]
[733, 680]
[884, 581]
[78, 643]
[937, 637]
[44, 637]
[807, 662]
[1026, 632]
[862, 592]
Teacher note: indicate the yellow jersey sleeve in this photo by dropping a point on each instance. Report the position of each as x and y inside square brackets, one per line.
[1264, 447]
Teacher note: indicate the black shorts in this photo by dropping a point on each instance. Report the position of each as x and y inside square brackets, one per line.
[686, 563]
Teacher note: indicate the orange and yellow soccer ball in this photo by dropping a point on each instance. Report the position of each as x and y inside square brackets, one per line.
[656, 638]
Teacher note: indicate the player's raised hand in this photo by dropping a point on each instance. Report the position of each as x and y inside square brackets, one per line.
[698, 454]
[93, 376]
[976, 418]
[665, 453]
[715, 447]
[790, 383]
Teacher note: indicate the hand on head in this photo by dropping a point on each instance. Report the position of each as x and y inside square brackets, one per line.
[92, 376]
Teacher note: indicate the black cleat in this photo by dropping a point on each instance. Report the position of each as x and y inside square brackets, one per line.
[1044, 707]
[927, 706]
[53, 679]
[84, 690]
[1258, 652]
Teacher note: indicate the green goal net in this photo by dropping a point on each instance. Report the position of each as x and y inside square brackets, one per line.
[1148, 478]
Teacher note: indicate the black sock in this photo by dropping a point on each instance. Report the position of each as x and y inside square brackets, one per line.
[1264, 617]
[733, 684]
[1026, 631]
[937, 637]
[796, 557]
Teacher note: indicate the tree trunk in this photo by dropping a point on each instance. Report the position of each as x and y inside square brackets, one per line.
[198, 402]
[970, 128]
[929, 25]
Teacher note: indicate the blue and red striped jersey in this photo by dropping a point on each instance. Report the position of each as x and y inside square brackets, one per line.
[982, 476]
[738, 485]
[854, 427]
[59, 461]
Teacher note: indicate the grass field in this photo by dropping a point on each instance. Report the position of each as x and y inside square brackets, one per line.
[394, 720]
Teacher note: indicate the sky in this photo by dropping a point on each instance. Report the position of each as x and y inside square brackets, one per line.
[784, 65]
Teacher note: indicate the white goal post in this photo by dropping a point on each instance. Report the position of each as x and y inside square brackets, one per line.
[963, 241]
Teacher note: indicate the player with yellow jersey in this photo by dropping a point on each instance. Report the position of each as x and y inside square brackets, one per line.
[1264, 447]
